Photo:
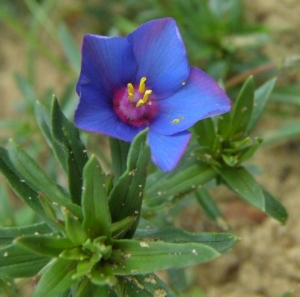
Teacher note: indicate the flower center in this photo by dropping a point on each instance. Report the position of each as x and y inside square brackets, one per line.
[134, 104]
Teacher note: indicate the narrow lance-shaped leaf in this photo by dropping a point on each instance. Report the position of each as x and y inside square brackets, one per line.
[7, 235]
[17, 261]
[42, 116]
[119, 151]
[140, 257]
[147, 285]
[97, 220]
[261, 97]
[37, 178]
[181, 183]
[222, 242]
[46, 245]
[244, 185]
[125, 198]
[274, 208]
[206, 132]
[56, 279]
[18, 183]
[67, 136]
[243, 108]
[211, 209]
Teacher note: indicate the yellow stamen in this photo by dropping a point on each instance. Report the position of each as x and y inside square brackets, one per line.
[142, 86]
[130, 89]
[175, 121]
[145, 98]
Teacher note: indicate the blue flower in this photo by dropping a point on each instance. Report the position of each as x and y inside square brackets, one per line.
[144, 80]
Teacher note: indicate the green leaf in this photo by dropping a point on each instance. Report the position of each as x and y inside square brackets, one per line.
[21, 187]
[42, 116]
[211, 209]
[222, 242]
[74, 229]
[7, 235]
[16, 261]
[140, 257]
[26, 89]
[119, 151]
[224, 125]
[240, 181]
[183, 182]
[97, 220]
[274, 208]
[45, 244]
[69, 47]
[249, 151]
[206, 132]
[243, 108]
[56, 279]
[38, 180]
[125, 198]
[67, 136]
[147, 285]
[261, 97]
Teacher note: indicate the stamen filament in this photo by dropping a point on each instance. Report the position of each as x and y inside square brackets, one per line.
[142, 86]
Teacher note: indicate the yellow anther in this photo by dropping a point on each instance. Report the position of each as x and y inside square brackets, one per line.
[146, 95]
[140, 103]
[175, 121]
[183, 83]
[145, 98]
[130, 89]
[142, 86]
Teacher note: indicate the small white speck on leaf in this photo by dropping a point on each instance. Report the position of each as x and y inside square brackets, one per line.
[160, 293]
[144, 244]
[195, 252]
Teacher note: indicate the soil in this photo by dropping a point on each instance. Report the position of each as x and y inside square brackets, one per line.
[266, 263]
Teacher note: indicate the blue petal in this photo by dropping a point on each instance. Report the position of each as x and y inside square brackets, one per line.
[161, 56]
[95, 113]
[200, 98]
[166, 151]
[107, 61]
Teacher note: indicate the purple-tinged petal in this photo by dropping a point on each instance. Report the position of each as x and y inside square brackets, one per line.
[161, 56]
[200, 98]
[107, 61]
[166, 151]
[95, 113]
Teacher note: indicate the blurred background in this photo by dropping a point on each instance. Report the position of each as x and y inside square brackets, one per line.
[229, 39]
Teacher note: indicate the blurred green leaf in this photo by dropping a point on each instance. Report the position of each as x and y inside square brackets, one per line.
[222, 242]
[70, 48]
[55, 279]
[97, 220]
[6, 213]
[141, 257]
[125, 198]
[282, 134]
[47, 245]
[26, 90]
[211, 209]
[16, 261]
[240, 181]
[67, 136]
[38, 180]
